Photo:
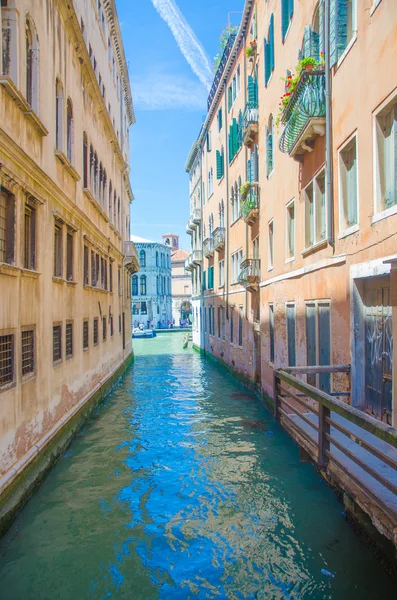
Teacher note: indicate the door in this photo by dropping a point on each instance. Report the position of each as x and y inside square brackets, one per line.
[378, 348]
[324, 344]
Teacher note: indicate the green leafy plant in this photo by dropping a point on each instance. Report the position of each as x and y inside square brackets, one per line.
[223, 40]
[245, 190]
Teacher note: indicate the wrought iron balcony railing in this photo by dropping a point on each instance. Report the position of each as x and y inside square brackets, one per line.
[249, 276]
[304, 116]
[250, 124]
[220, 69]
[250, 206]
[219, 238]
[208, 247]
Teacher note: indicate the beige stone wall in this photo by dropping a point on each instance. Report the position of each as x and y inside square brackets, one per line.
[363, 81]
[30, 168]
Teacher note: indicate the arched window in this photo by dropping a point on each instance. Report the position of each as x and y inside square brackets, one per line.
[92, 169]
[232, 202]
[142, 258]
[157, 259]
[143, 285]
[69, 130]
[96, 175]
[104, 190]
[118, 216]
[85, 160]
[269, 51]
[134, 285]
[115, 209]
[221, 214]
[269, 146]
[32, 64]
[158, 285]
[110, 200]
[9, 42]
[59, 115]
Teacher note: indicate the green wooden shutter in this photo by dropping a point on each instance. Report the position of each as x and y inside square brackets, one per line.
[204, 286]
[229, 98]
[311, 43]
[229, 141]
[210, 278]
[338, 29]
[321, 26]
[219, 119]
[291, 8]
[235, 137]
[271, 43]
[285, 17]
[269, 151]
[218, 165]
[251, 89]
[267, 62]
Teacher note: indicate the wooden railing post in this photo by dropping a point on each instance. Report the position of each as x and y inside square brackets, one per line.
[275, 394]
[324, 429]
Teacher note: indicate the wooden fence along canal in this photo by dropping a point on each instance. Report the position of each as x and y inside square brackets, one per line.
[353, 450]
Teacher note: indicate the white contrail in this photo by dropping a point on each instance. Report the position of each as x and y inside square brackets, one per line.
[186, 40]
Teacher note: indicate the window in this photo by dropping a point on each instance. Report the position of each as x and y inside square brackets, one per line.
[219, 120]
[221, 273]
[209, 141]
[7, 226]
[348, 183]
[6, 359]
[29, 240]
[57, 343]
[85, 160]
[142, 258]
[95, 331]
[111, 325]
[119, 323]
[143, 285]
[104, 332]
[240, 326]
[318, 341]
[219, 322]
[220, 164]
[85, 334]
[59, 115]
[269, 146]
[86, 266]
[27, 349]
[271, 332]
[291, 334]
[238, 80]
[32, 65]
[343, 27]
[231, 325]
[69, 130]
[69, 256]
[291, 229]
[315, 221]
[143, 308]
[287, 10]
[210, 278]
[110, 277]
[237, 258]
[69, 340]
[269, 51]
[157, 259]
[386, 157]
[119, 281]
[271, 245]
[58, 255]
[234, 138]
[223, 322]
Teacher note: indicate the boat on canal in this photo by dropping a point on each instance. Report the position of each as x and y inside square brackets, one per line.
[143, 333]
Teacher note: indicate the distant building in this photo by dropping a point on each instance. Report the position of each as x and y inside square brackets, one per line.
[151, 288]
[181, 280]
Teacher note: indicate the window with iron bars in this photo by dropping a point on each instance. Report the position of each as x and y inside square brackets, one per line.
[104, 329]
[111, 326]
[69, 340]
[95, 332]
[29, 249]
[86, 265]
[7, 226]
[85, 335]
[27, 351]
[57, 343]
[6, 359]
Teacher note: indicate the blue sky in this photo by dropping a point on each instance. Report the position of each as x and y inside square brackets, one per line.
[170, 104]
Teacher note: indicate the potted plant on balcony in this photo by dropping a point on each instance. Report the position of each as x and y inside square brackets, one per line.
[307, 64]
[250, 50]
[245, 190]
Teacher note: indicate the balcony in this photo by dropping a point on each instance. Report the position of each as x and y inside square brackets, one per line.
[208, 247]
[220, 69]
[304, 116]
[195, 217]
[189, 230]
[250, 125]
[250, 274]
[131, 261]
[193, 260]
[219, 238]
[250, 206]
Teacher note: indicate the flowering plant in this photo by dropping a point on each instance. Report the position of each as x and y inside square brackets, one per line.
[251, 49]
[245, 189]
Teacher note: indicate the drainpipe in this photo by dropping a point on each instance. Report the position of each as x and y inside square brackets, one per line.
[227, 201]
[328, 127]
[245, 165]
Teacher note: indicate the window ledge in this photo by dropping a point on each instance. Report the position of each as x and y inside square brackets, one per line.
[384, 214]
[6, 269]
[58, 280]
[270, 269]
[57, 363]
[40, 127]
[314, 248]
[61, 156]
[349, 231]
[221, 179]
[21, 102]
[347, 50]
[30, 273]
[374, 6]
[71, 283]
[28, 377]
[7, 386]
[235, 221]
[289, 260]
[92, 199]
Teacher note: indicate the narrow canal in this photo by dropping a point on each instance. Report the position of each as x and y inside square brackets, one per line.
[183, 486]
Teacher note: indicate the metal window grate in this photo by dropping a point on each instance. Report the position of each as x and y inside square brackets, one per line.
[111, 326]
[3, 227]
[95, 332]
[69, 340]
[85, 335]
[6, 359]
[104, 329]
[27, 352]
[56, 343]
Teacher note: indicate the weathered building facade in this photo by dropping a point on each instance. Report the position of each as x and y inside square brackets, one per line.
[181, 281]
[151, 288]
[65, 255]
[294, 244]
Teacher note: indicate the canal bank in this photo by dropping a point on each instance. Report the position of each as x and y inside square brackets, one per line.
[182, 485]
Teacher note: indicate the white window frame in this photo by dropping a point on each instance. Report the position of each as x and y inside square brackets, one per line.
[237, 258]
[221, 273]
[313, 182]
[270, 250]
[353, 38]
[290, 257]
[345, 231]
[380, 214]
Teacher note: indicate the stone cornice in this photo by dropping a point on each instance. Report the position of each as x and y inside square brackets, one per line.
[9, 149]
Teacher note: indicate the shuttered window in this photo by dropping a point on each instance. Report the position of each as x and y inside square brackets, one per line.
[348, 185]
[219, 120]
[315, 211]
[287, 10]
[58, 254]
[291, 334]
[269, 147]
[311, 43]
[343, 26]
[252, 91]
[210, 278]
[220, 164]
[269, 51]
[7, 226]
[386, 140]
[229, 98]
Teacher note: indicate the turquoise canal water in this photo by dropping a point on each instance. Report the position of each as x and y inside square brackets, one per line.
[183, 486]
